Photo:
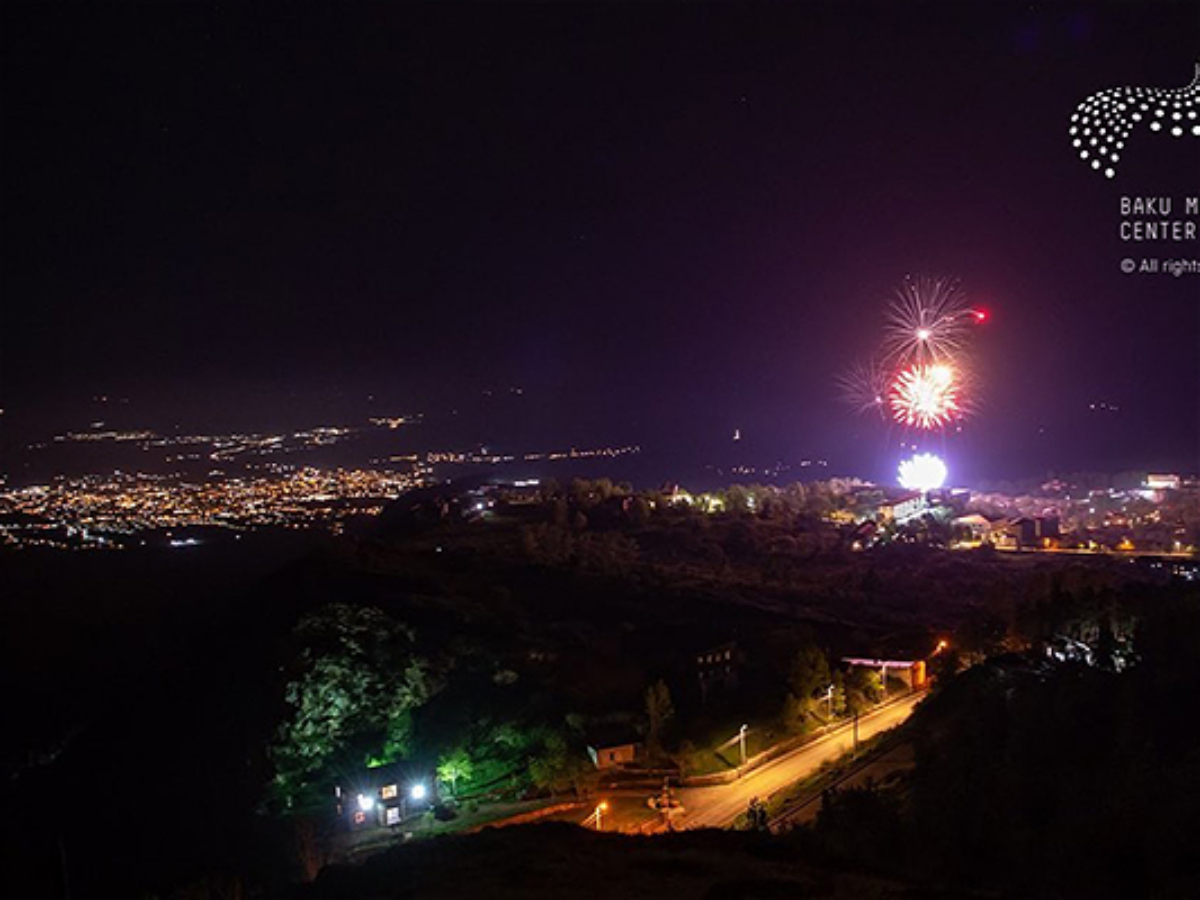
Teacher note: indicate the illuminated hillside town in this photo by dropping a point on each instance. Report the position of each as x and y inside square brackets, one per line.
[1157, 515]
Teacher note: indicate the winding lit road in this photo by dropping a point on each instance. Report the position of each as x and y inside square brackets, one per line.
[720, 805]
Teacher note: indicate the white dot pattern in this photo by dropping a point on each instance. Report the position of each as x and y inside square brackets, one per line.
[1103, 122]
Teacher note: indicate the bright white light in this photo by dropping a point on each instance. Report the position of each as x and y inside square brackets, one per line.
[923, 472]
[417, 792]
[365, 803]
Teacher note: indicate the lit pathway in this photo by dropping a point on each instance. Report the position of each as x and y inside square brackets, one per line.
[719, 806]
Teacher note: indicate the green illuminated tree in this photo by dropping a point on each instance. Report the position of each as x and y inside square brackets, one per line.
[455, 767]
[349, 701]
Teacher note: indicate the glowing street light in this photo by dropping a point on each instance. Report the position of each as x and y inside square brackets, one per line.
[597, 816]
[366, 803]
[417, 792]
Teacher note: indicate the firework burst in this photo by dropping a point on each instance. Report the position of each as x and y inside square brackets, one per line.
[923, 472]
[925, 396]
[920, 379]
[865, 387]
[928, 321]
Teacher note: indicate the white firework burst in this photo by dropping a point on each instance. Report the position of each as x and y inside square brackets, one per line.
[927, 322]
[923, 472]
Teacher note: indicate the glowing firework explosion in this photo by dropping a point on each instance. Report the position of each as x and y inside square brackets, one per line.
[927, 322]
[925, 396]
[865, 388]
[919, 379]
[923, 472]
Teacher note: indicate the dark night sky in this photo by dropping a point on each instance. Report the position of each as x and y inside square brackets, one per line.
[663, 222]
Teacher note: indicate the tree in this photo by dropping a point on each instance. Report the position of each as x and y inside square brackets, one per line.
[356, 681]
[639, 511]
[659, 711]
[839, 694]
[455, 767]
[556, 766]
[810, 672]
[738, 499]
[546, 544]
[612, 553]
[863, 687]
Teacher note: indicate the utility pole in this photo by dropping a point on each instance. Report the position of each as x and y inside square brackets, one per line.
[62, 860]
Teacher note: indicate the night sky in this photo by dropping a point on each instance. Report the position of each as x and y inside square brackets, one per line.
[660, 222]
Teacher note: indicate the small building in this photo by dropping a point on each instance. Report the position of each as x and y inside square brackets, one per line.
[910, 671]
[380, 798]
[903, 508]
[613, 745]
[863, 534]
[717, 668]
[614, 756]
[1163, 482]
[1025, 531]
[1033, 531]
[978, 528]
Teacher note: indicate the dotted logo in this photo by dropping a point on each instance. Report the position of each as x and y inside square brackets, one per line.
[1103, 122]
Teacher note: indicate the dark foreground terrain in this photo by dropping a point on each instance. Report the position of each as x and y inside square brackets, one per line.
[148, 696]
[569, 862]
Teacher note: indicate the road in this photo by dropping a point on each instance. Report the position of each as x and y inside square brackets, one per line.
[900, 758]
[719, 806]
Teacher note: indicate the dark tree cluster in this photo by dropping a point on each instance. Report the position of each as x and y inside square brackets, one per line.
[1049, 779]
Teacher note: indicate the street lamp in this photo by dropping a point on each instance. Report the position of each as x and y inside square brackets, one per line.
[417, 792]
[600, 815]
[742, 742]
